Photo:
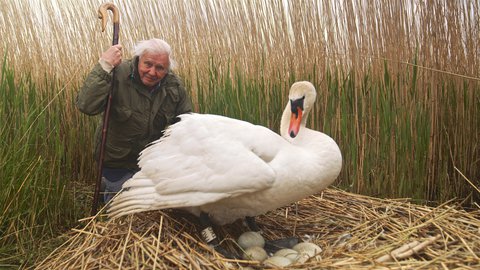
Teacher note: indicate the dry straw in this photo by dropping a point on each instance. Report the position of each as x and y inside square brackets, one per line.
[354, 231]
[63, 38]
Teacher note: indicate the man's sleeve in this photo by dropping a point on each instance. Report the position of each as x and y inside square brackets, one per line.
[92, 97]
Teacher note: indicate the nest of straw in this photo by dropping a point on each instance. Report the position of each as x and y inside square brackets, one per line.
[354, 231]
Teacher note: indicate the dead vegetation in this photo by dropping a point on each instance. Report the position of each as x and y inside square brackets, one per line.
[354, 231]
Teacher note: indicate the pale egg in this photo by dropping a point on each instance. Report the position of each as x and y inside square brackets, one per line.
[288, 253]
[251, 239]
[277, 261]
[309, 249]
[255, 254]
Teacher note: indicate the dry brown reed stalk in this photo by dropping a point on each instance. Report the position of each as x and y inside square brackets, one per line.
[354, 231]
[56, 37]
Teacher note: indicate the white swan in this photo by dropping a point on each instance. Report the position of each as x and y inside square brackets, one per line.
[232, 169]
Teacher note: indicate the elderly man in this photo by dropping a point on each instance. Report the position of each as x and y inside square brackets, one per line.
[147, 97]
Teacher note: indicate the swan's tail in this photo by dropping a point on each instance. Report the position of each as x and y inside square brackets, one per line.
[137, 195]
[141, 194]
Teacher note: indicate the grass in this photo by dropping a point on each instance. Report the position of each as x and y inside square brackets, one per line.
[388, 136]
[36, 171]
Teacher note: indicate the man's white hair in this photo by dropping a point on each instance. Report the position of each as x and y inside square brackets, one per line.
[155, 45]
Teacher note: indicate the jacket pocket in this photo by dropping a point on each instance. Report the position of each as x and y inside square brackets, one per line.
[172, 93]
[169, 105]
[116, 151]
[115, 148]
[121, 113]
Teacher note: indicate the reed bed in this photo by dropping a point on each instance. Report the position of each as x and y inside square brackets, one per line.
[399, 76]
[290, 36]
[398, 86]
[354, 231]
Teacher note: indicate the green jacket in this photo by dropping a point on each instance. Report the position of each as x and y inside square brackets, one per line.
[137, 117]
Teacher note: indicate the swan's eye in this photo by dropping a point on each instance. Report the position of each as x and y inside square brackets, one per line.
[295, 104]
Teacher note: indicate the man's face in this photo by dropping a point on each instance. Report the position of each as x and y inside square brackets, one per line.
[152, 68]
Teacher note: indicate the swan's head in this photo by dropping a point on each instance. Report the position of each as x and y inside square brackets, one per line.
[301, 99]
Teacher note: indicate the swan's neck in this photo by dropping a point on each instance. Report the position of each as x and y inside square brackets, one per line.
[285, 121]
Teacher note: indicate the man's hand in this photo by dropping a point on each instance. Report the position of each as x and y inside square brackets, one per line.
[112, 56]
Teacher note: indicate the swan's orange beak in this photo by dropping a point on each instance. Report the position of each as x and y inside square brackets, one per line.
[295, 121]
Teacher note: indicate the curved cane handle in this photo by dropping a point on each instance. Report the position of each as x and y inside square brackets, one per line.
[102, 14]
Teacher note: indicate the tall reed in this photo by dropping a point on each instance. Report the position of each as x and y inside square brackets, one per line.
[398, 86]
[387, 59]
[389, 140]
[36, 197]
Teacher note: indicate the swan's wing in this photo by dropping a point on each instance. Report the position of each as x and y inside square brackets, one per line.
[200, 160]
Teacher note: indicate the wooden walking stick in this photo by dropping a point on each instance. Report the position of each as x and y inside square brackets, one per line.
[102, 14]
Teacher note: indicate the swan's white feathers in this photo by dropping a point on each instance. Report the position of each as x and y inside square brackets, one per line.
[197, 173]
[230, 168]
[149, 201]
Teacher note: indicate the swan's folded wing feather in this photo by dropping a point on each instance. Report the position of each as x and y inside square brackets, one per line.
[202, 159]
